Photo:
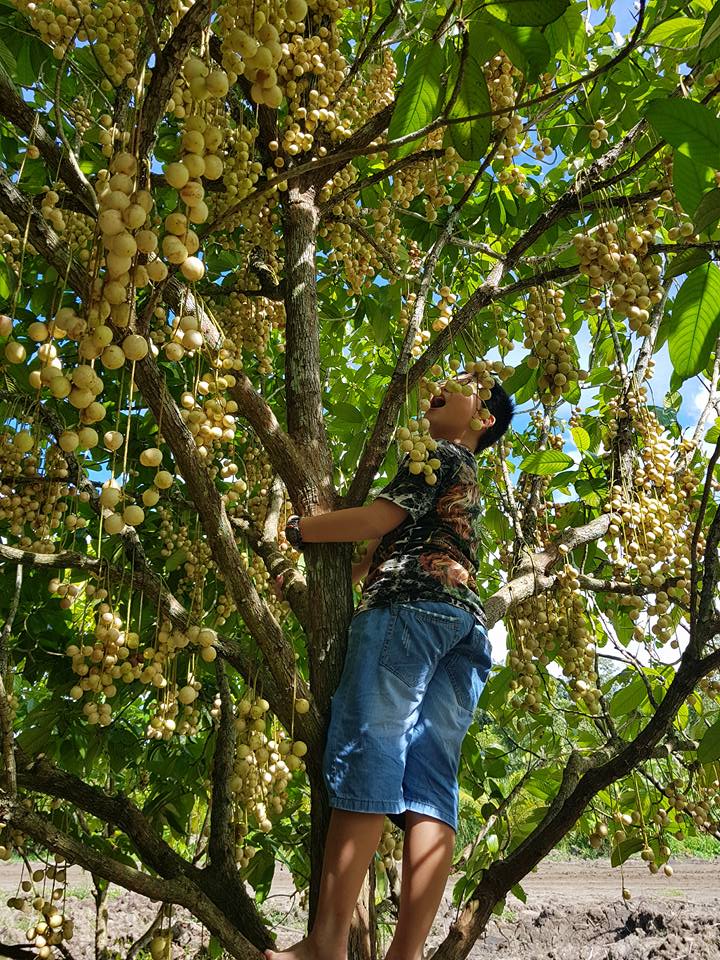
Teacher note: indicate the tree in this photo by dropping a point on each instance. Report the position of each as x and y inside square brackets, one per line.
[239, 242]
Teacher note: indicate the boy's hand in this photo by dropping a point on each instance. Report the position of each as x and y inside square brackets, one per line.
[276, 586]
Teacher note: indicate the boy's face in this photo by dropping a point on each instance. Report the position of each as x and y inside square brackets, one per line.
[450, 413]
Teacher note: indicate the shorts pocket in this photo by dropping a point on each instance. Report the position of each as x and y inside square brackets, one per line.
[415, 641]
[468, 667]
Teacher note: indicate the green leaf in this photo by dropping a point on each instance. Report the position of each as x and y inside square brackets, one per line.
[690, 181]
[545, 463]
[259, 872]
[713, 434]
[175, 559]
[678, 32]
[628, 698]
[626, 849]
[530, 13]
[347, 412]
[526, 47]
[7, 280]
[695, 321]
[708, 212]
[518, 378]
[471, 139]
[709, 749]
[420, 97]
[568, 35]
[215, 948]
[690, 127]
[7, 59]
[517, 891]
[709, 46]
[685, 262]
[581, 438]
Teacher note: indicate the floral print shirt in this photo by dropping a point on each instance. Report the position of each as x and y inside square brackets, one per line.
[432, 554]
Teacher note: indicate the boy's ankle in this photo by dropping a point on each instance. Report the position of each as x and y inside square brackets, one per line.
[325, 951]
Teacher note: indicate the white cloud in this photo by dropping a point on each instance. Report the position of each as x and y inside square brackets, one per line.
[700, 399]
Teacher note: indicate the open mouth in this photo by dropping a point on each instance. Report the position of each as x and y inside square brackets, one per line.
[437, 402]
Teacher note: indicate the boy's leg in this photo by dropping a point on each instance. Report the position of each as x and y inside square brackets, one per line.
[427, 857]
[352, 839]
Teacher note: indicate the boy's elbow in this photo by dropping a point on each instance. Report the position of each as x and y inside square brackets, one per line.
[384, 516]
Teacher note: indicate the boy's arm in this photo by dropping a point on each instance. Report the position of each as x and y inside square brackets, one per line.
[370, 522]
[360, 569]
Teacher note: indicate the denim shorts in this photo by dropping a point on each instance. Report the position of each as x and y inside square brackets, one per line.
[412, 678]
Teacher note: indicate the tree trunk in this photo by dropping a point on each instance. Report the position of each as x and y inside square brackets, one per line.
[100, 894]
[361, 942]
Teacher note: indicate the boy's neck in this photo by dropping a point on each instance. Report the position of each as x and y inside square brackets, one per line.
[469, 443]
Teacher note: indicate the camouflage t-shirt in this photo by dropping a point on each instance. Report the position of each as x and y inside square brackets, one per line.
[432, 554]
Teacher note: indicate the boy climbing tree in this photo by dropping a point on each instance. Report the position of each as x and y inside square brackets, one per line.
[417, 659]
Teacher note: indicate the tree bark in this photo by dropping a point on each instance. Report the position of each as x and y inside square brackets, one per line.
[100, 894]
[362, 933]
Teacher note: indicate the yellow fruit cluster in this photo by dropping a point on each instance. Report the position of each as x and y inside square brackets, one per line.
[112, 27]
[263, 767]
[652, 539]
[550, 342]
[390, 847]
[41, 892]
[554, 627]
[499, 75]
[620, 264]
[33, 502]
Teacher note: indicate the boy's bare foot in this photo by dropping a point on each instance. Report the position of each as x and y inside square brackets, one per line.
[302, 950]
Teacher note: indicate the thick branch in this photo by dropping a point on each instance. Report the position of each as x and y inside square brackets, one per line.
[261, 624]
[6, 726]
[18, 112]
[47, 243]
[534, 573]
[294, 584]
[165, 72]
[282, 451]
[222, 840]
[179, 890]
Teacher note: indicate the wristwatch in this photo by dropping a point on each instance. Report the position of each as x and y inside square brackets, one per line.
[293, 534]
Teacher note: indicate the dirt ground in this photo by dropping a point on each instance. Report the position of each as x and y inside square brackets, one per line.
[574, 911]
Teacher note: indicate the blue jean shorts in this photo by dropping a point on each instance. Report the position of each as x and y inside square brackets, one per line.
[412, 678]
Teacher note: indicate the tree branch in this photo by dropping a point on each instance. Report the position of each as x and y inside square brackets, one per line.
[6, 725]
[282, 451]
[165, 71]
[18, 112]
[368, 49]
[534, 573]
[221, 845]
[178, 890]
[47, 243]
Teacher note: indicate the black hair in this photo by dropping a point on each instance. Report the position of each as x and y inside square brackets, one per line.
[502, 407]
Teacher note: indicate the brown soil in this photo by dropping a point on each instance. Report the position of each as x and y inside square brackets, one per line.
[574, 911]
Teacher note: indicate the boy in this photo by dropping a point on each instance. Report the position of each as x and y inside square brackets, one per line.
[417, 659]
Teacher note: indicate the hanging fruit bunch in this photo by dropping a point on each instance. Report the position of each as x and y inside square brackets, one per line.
[651, 540]
[390, 847]
[500, 74]
[263, 767]
[41, 899]
[621, 265]
[553, 627]
[550, 342]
